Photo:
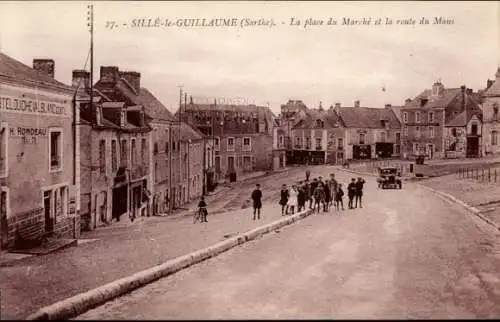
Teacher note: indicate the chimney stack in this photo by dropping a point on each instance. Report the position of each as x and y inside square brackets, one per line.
[408, 100]
[489, 82]
[357, 103]
[81, 79]
[337, 105]
[497, 75]
[45, 66]
[388, 105]
[109, 74]
[464, 96]
[133, 78]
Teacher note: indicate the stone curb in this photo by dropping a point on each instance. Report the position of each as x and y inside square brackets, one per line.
[80, 303]
[446, 196]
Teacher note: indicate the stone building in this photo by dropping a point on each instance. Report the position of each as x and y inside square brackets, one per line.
[242, 135]
[490, 107]
[279, 147]
[39, 161]
[425, 116]
[318, 138]
[460, 131]
[369, 132]
[114, 139]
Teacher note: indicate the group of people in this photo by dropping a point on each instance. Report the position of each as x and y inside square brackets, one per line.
[320, 195]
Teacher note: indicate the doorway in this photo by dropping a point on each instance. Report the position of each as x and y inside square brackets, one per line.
[230, 164]
[430, 151]
[47, 202]
[473, 147]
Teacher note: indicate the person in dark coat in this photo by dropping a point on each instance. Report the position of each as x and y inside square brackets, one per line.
[359, 192]
[308, 174]
[284, 194]
[319, 197]
[301, 198]
[328, 195]
[313, 186]
[351, 192]
[257, 201]
[202, 208]
[339, 195]
[306, 188]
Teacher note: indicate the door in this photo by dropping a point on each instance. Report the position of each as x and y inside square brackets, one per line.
[430, 150]
[473, 147]
[119, 201]
[217, 164]
[49, 224]
[3, 219]
[230, 164]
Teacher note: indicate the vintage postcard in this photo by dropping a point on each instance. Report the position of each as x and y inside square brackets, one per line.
[249, 159]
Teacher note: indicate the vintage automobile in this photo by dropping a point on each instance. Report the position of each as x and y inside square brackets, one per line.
[389, 177]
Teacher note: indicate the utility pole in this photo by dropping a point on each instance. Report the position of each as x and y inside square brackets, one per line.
[213, 136]
[179, 143]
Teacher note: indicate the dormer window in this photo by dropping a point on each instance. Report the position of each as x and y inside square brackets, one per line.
[319, 123]
[495, 110]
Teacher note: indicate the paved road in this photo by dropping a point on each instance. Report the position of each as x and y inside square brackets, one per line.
[406, 254]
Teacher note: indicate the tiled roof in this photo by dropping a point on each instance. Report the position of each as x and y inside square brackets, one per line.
[493, 90]
[463, 118]
[190, 133]
[434, 101]
[368, 117]
[397, 112]
[330, 118]
[153, 106]
[17, 71]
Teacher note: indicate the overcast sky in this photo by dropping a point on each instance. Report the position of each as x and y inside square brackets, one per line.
[263, 64]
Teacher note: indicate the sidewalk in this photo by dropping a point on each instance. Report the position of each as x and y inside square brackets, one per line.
[114, 252]
[483, 195]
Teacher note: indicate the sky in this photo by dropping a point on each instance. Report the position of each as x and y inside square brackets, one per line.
[262, 64]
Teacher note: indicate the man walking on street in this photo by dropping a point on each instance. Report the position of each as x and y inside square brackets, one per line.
[313, 187]
[301, 198]
[333, 186]
[308, 174]
[257, 201]
[359, 191]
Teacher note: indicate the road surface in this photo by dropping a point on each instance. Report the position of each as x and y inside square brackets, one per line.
[406, 254]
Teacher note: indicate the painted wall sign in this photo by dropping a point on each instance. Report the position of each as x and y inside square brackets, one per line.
[27, 131]
[31, 106]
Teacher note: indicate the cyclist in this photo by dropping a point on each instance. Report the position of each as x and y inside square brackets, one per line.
[202, 209]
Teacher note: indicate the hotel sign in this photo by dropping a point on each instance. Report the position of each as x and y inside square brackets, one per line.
[31, 106]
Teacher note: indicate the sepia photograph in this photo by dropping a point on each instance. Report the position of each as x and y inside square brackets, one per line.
[206, 160]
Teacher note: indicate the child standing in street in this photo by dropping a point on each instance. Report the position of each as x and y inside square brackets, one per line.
[351, 192]
[257, 201]
[284, 199]
[338, 197]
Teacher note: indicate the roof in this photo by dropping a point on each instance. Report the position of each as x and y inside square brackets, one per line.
[19, 72]
[153, 106]
[463, 118]
[397, 111]
[439, 101]
[494, 89]
[368, 117]
[330, 118]
[190, 133]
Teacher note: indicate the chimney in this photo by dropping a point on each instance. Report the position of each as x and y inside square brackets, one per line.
[489, 82]
[464, 96]
[388, 105]
[437, 88]
[357, 103]
[45, 66]
[331, 108]
[337, 105]
[109, 74]
[133, 78]
[497, 75]
[408, 100]
[81, 79]
[320, 106]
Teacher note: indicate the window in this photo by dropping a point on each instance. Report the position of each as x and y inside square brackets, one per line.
[405, 117]
[417, 131]
[281, 140]
[308, 143]
[431, 131]
[454, 132]
[114, 156]
[398, 137]
[405, 131]
[340, 143]
[397, 149]
[417, 117]
[319, 123]
[55, 150]
[247, 163]
[166, 147]
[3, 149]
[217, 144]
[133, 154]
[473, 129]
[247, 144]
[382, 136]
[124, 154]
[144, 153]
[155, 148]
[230, 144]
[318, 144]
[416, 148]
[361, 138]
[431, 117]
[494, 138]
[102, 156]
[495, 111]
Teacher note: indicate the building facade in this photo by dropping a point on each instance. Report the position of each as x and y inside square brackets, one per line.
[242, 136]
[463, 135]
[279, 146]
[490, 107]
[425, 117]
[370, 132]
[39, 165]
[318, 138]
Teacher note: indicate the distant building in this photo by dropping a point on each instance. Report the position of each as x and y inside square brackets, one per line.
[318, 138]
[425, 118]
[490, 107]
[242, 135]
[39, 164]
[279, 147]
[370, 132]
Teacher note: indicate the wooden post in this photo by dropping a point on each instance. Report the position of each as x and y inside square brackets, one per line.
[489, 174]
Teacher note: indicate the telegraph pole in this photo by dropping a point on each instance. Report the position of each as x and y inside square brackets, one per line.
[179, 142]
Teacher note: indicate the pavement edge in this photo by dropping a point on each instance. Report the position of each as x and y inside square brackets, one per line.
[80, 303]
